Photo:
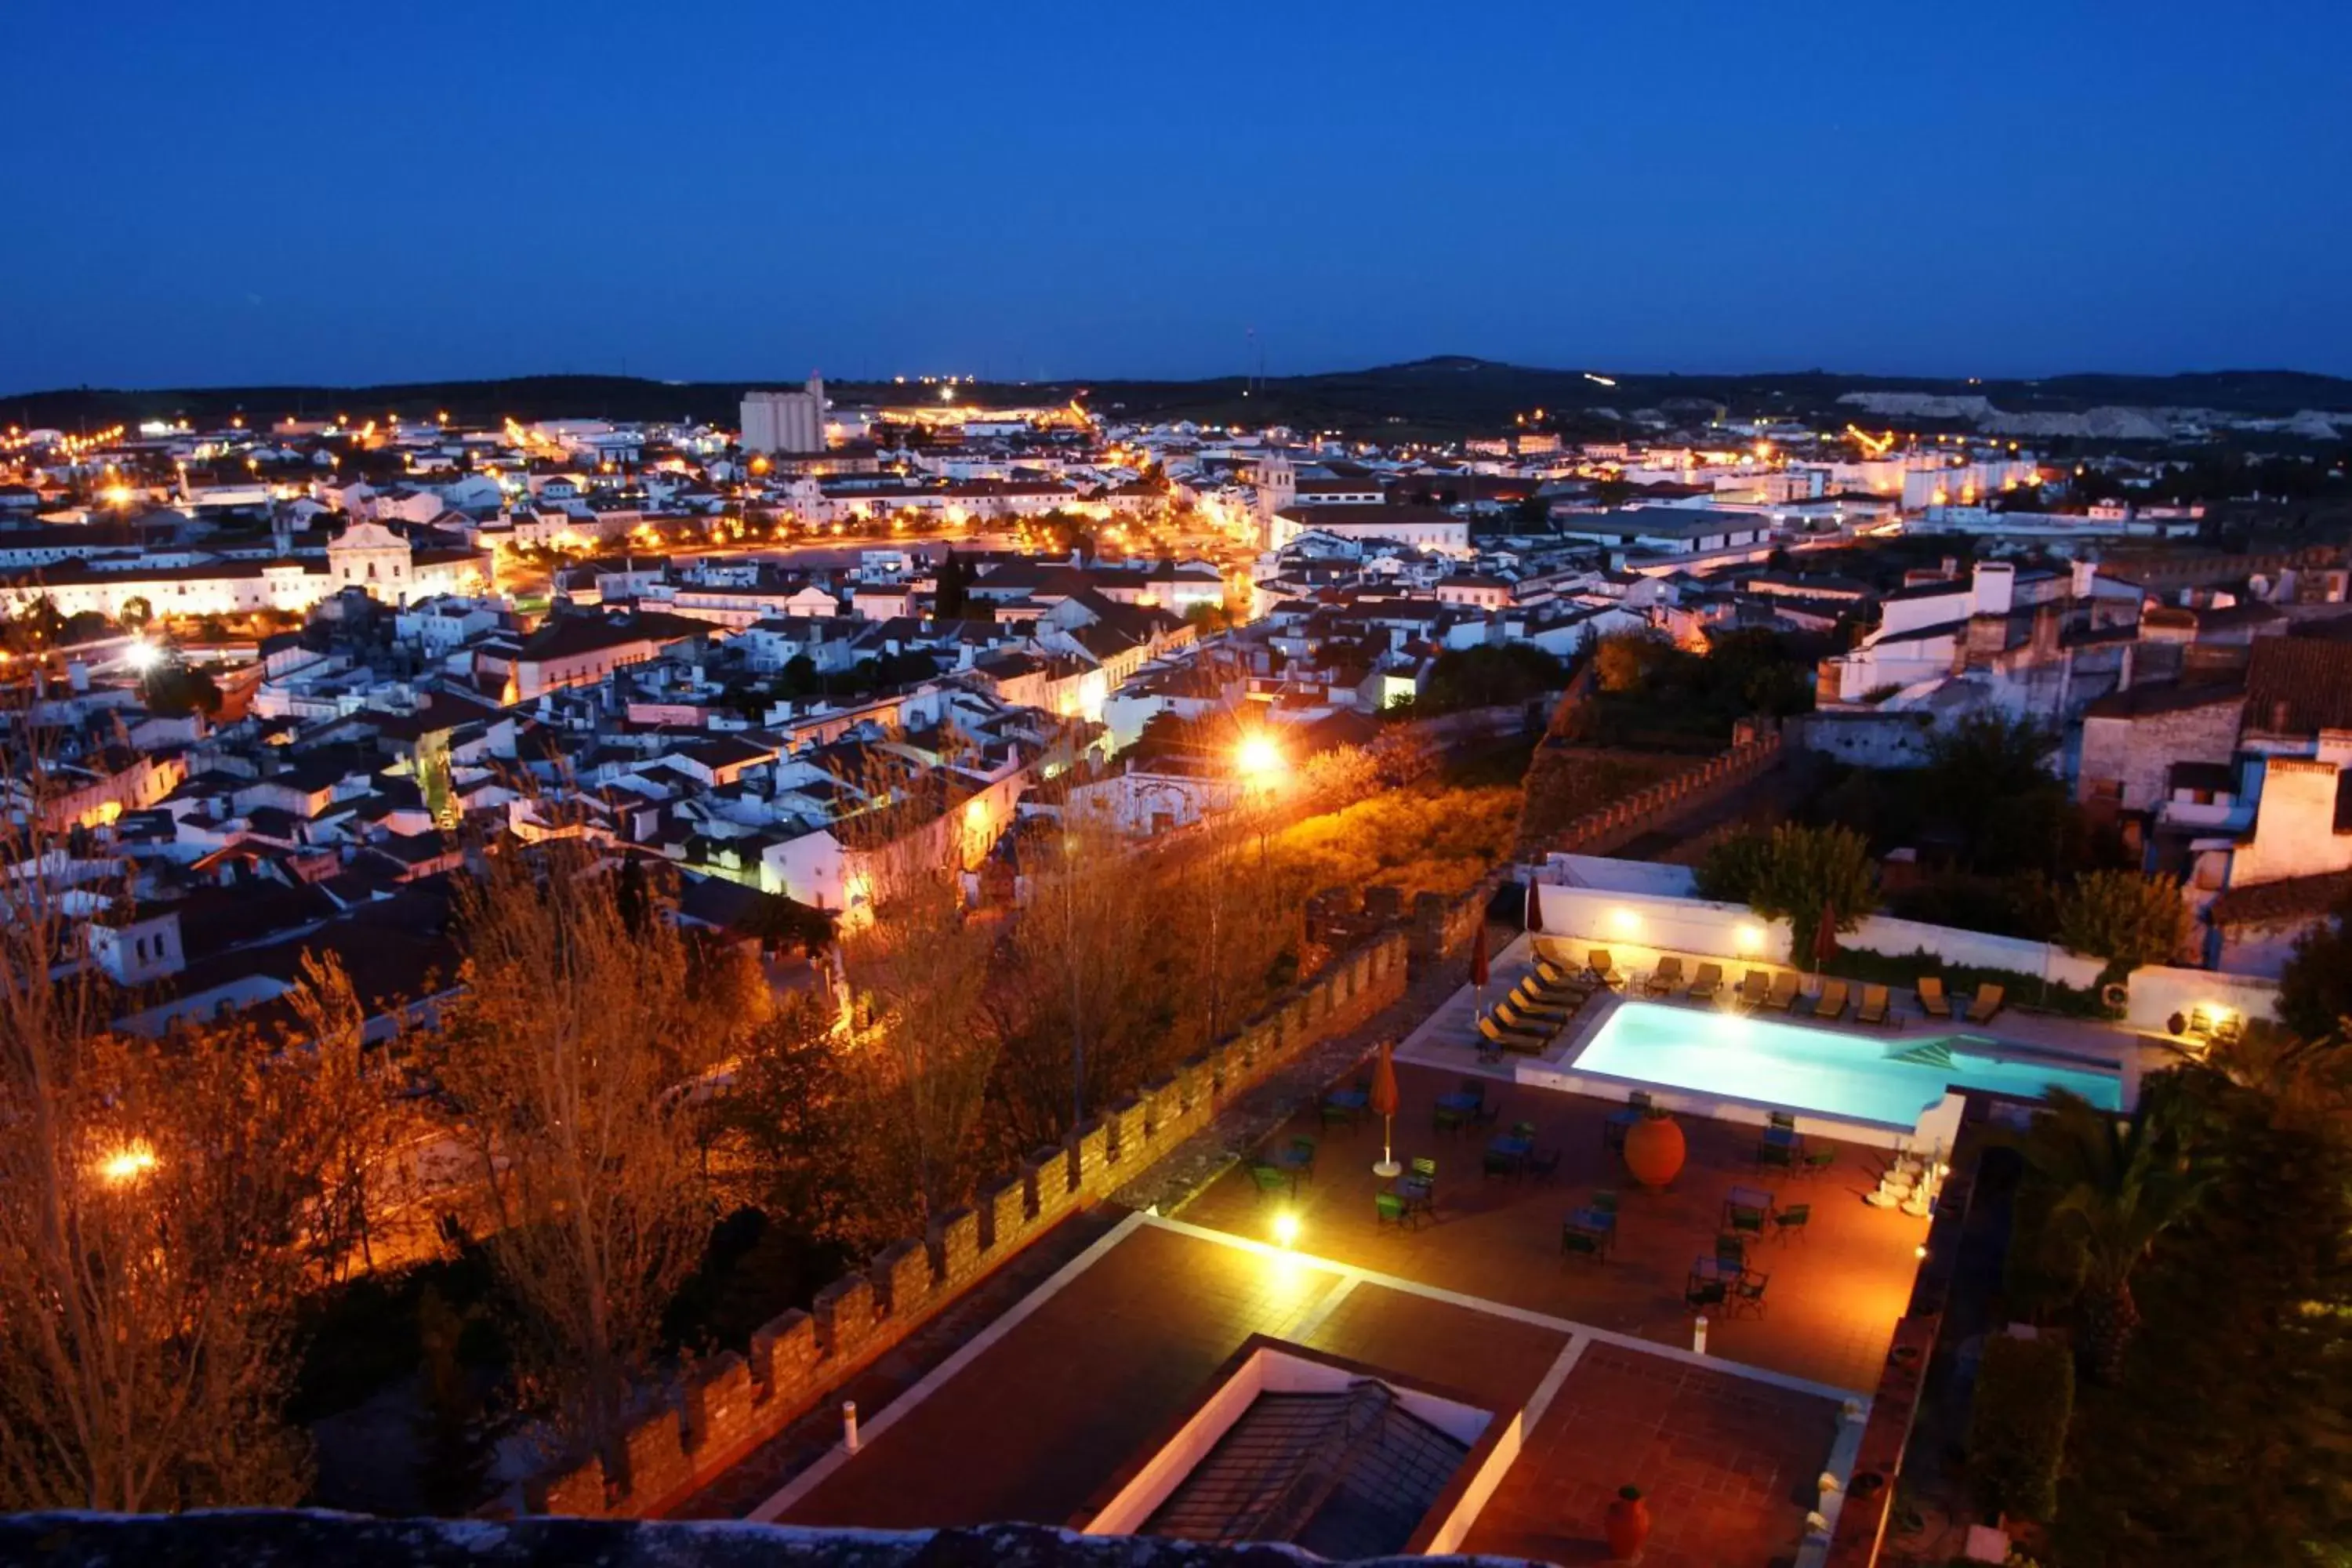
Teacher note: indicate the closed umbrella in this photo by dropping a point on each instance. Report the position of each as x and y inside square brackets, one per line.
[1478, 963]
[1384, 1100]
[1825, 940]
[1535, 908]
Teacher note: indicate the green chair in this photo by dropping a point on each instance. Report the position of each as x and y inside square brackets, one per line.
[1273, 1178]
[1745, 1221]
[1775, 1156]
[1449, 1118]
[1523, 1130]
[1820, 1160]
[1747, 1294]
[1730, 1251]
[1391, 1208]
[1700, 1297]
[1605, 1200]
[1301, 1157]
[1338, 1116]
[1542, 1162]
[1792, 1221]
[1424, 1170]
[1577, 1242]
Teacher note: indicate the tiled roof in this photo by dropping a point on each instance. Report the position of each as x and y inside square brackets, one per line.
[2299, 685]
[2275, 903]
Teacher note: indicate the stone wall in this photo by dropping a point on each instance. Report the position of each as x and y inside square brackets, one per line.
[1628, 817]
[797, 1360]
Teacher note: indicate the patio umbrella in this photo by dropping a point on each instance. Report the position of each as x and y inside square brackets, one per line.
[1825, 940]
[1479, 964]
[1535, 907]
[1384, 1100]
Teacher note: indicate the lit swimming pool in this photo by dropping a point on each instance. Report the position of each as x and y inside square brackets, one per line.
[1887, 1079]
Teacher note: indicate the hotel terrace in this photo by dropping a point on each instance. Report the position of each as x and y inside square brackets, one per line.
[1466, 1325]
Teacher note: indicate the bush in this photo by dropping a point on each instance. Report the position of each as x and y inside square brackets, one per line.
[2022, 990]
[2016, 1430]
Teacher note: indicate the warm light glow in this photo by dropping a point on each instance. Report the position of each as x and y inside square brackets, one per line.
[142, 655]
[118, 495]
[127, 1164]
[1625, 922]
[1750, 938]
[1286, 1229]
[1257, 757]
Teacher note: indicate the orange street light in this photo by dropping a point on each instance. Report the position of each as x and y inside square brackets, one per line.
[127, 1164]
[1257, 758]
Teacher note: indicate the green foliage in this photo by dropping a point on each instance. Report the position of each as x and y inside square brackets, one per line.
[1488, 676]
[953, 591]
[2126, 919]
[2017, 1428]
[1960, 979]
[2223, 1445]
[2021, 904]
[174, 691]
[1802, 875]
[2315, 988]
[1649, 687]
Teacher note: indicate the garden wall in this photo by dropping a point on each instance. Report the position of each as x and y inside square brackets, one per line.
[733, 1403]
[2160, 990]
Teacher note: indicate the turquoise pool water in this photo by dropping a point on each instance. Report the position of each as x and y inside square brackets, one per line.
[1869, 1076]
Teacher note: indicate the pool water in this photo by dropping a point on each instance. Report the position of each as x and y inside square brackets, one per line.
[1887, 1079]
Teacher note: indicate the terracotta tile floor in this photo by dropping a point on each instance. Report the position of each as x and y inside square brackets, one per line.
[1833, 1295]
[1727, 1464]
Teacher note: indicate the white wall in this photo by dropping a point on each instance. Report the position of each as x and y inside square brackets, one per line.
[2159, 991]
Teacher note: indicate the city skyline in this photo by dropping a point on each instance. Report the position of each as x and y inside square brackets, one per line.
[421, 197]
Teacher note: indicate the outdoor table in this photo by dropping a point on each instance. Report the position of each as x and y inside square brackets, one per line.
[1593, 1220]
[1418, 1192]
[1715, 1271]
[1515, 1150]
[1785, 1137]
[1619, 1123]
[1754, 1198]
[1468, 1104]
[1349, 1099]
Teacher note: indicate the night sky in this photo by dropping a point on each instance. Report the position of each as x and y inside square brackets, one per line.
[353, 193]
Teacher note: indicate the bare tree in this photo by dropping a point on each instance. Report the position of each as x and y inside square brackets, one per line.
[156, 1216]
[575, 1052]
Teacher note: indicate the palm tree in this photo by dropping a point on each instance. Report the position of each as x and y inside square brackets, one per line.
[2120, 1182]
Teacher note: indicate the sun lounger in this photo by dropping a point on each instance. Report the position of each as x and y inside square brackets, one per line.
[1666, 979]
[1706, 982]
[1518, 1040]
[1932, 1000]
[1508, 1015]
[1534, 1003]
[1875, 1008]
[1988, 1003]
[1829, 1006]
[1782, 997]
[1754, 987]
[1604, 969]
[1559, 981]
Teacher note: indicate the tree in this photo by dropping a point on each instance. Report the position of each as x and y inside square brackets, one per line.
[174, 689]
[954, 589]
[574, 1051]
[2120, 1182]
[136, 612]
[2315, 988]
[1802, 875]
[156, 1228]
[1627, 661]
[1488, 676]
[2124, 918]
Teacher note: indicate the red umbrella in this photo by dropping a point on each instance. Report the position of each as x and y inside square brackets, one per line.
[1535, 907]
[1825, 939]
[1383, 1099]
[1478, 956]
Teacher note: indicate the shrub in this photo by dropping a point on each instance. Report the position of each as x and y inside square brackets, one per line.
[2016, 1430]
[2023, 990]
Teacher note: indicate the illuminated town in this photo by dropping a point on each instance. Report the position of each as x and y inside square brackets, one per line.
[760, 809]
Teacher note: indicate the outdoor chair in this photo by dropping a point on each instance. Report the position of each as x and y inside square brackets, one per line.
[1641, 1099]
[1613, 1130]
[1706, 983]
[1523, 1130]
[1542, 1162]
[1513, 1021]
[1577, 1242]
[1560, 981]
[1792, 1221]
[1604, 968]
[1782, 997]
[1730, 1252]
[1449, 1118]
[1754, 987]
[1875, 1008]
[1423, 1170]
[1747, 1294]
[1747, 1221]
[1604, 1200]
[1932, 1000]
[1775, 1156]
[1391, 1208]
[1273, 1178]
[1817, 1161]
[1829, 1006]
[1700, 1297]
[1988, 1003]
[1495, 1162]
[1525, 1041]
[1338, 1116]
[1301, 1157]
[1786, 1120]
[1666, 979]
[1535, 1005]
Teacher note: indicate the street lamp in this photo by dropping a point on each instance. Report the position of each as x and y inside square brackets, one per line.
[1258, 758]
[127, 1164]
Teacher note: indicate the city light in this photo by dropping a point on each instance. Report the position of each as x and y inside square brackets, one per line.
[127, 1164]
[142, 656]
[1286, 1229]
[1258, 758]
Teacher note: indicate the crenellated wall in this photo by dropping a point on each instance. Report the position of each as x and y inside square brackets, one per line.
[732, 1404]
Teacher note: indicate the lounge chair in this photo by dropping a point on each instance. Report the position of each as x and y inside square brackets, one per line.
[1875, 1008]
[1560, 983]
[1829, 1006]
[1666, 979]
[1754, 987]
[1706, 982]
[1512, 1019]
[1534, 1003]
[1783, 994]
[1604, 968]
[1512, 1039]
[1988, 1003]
[1932, 1000]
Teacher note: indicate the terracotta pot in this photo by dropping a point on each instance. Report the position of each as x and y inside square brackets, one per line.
[1628, 1524]
[1654, 1150]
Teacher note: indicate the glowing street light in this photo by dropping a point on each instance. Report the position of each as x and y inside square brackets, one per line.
[142, 656]
[127, 1164]
[1258, 759]
[1285, 1230]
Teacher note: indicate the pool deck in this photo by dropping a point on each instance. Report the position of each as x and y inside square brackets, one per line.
[1448, 1038]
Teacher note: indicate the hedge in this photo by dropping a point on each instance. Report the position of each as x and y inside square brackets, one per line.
[2016, 1430]
[1961, 980]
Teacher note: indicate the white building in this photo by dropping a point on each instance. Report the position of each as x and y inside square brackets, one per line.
[785, 421]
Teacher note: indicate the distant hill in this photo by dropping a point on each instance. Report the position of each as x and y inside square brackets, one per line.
[1442, 394]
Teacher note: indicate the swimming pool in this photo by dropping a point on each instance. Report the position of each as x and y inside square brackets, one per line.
[1889, 1079]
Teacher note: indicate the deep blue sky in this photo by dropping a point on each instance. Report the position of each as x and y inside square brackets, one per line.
[363, 191]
